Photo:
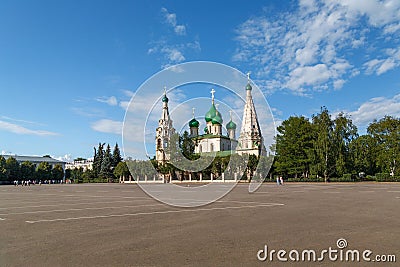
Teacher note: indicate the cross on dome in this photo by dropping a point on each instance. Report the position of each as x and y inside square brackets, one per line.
[248, 76]
[212, 95]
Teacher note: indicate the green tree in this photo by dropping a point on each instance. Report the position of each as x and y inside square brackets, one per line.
[27, 170]
[293, 145]
[363, 152]
[98, 159]
[13, 169]
[386, 134]
[343, 133]
[77, 175]
[3, 169]
[106, 164]
[121, 170]
[323, 157]
[186, 145]
[116, 156]
[57, 172]
[43, 171]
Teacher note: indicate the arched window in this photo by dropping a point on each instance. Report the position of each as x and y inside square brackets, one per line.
[200, 148]
[211, 147]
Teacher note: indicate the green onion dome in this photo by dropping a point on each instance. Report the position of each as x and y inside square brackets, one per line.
[231, 125]
[194, 123]
[248, 86]
[211, 113]
[165, 99]
[205, 130]
[217, 118]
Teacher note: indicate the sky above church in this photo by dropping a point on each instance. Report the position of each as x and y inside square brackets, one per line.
[68, 69]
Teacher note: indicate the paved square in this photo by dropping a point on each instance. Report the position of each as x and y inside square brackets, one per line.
[119, 225]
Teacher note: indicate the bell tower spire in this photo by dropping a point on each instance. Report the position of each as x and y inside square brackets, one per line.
[250, 140]
[164, 131]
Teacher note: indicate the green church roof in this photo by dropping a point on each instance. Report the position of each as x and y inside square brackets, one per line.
[194, 123]
[165, 98]
[248, 86]
[231, 125]
[217, 118]
[211, 113]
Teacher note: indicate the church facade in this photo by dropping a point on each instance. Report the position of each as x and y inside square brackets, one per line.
[213, 139]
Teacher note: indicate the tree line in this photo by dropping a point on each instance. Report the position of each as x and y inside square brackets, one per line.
[309, 148]
[11, 170]
[105, 163]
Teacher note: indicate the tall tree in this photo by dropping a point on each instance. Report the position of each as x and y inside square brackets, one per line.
[106, 164]
[343, 133]
[3, 169]
[386, 133]
[323, 154]
[98, 159]
[27, 170]
[116, 156]
[293, 144]
[13, 169]
[363, 152]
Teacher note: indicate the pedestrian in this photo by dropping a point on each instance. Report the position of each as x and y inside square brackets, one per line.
[278, 180]
[281, 180]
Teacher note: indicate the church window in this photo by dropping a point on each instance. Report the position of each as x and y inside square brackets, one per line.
[211, 147]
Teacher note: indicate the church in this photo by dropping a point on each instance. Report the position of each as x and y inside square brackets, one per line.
[213, 139]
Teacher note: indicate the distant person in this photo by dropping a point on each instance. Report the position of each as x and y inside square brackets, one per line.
[278, 181]
[281, 180]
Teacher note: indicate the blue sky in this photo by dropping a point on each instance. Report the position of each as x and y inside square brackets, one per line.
[69, 68]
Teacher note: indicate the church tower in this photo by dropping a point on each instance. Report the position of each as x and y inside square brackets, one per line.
[250, 140]
[231, 128]
[194, 126]
[164, 132]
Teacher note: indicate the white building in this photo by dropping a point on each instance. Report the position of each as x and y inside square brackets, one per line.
[214, 140]
[164, 132]
[86, 164]
[250, 140]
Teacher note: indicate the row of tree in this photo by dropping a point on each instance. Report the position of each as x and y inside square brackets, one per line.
[104, 164]
[326, 147]
[11, 170]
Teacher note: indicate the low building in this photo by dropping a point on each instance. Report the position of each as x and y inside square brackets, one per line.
[85, 164]
[37, 160]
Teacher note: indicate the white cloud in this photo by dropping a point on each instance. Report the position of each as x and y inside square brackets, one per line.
[112, 100]
[170, 19]
[382, 65]
[288, 50]
[173, 54]
[66, 158]
[128, 93]
[107, 126]
[18, 129]
[376, 108]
